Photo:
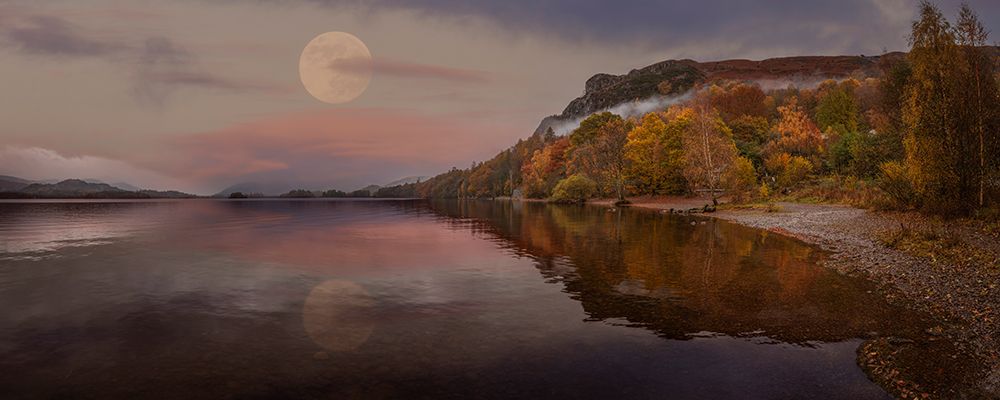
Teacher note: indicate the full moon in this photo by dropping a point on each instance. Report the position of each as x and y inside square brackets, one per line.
[335, 67]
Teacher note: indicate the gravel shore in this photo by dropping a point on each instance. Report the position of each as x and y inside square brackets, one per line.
[963, 294]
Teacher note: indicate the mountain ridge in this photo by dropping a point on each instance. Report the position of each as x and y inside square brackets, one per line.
[675, 77]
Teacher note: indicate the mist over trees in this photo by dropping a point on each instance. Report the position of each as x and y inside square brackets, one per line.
[921, 133]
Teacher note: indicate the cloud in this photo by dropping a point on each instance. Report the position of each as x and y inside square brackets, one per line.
[745, 28]
[157, 64]
[402, 69]
[163, 67]
[38, 163]
[626, 109]
[48, 35]
[344, 148]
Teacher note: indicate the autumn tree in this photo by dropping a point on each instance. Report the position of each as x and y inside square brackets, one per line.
[545, 168]
[740, 179]
[738, 100]
[709, 150]
[655, 154]
[981, 94]
[788, 170]
[934, 136]
[796, 134]
[606, 156]
[597, 149]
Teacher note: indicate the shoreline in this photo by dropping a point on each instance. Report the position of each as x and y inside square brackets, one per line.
[963, 298]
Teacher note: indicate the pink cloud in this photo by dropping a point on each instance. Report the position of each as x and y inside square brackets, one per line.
[333, 143]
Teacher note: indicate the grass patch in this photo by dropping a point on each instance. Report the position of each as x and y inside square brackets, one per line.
[939, 245]
[839, 190]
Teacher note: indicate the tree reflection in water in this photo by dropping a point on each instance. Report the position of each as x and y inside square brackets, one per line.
[685, 277]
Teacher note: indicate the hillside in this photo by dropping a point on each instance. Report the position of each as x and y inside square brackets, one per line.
[17, 188]
[674, 77]
[10, 183]
[68, 187]
[834, 115]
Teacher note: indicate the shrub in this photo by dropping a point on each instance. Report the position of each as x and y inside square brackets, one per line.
[576, 188]
[763, 192]
[788, 170]
[740, 179]
[896, 184]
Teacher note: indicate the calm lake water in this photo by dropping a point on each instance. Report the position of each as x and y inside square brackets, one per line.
[390, 299]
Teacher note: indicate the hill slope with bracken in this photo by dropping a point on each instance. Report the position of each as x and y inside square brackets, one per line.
[674, 77]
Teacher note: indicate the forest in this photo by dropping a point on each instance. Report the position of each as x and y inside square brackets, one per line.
[922, 134]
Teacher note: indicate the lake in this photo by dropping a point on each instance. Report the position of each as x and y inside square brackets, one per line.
[389, 299]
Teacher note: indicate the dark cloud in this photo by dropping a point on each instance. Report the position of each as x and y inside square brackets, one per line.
[403, 69]
[158, 65]
[727, 26]
[160, 50]
[48, 35]
[162, 67]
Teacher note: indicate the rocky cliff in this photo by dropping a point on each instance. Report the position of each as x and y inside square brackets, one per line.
[674, 77]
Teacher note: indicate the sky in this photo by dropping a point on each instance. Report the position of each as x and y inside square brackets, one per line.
[197, 95]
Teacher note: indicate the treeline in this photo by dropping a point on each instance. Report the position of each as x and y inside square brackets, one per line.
[922, 134]
[400, 191]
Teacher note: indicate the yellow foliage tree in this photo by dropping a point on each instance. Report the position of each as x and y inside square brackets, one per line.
[708, 150]
[655, 154]
[740, 180]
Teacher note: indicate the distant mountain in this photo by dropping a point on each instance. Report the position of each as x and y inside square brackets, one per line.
[12, 187]
[12, 184]
[68, 186]
[125, 186]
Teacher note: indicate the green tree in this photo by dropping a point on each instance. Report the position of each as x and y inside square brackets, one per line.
[751, 134]
[576, 188]
[836, 109]
[587, 131]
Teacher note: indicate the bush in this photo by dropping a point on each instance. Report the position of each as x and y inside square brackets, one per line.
[788, 170]
[896, 184]
[763, 192]
[576, 188]
[740, 179]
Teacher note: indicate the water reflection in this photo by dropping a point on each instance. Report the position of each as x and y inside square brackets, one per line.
[336, 315]
[684, 276]
[216, 299]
